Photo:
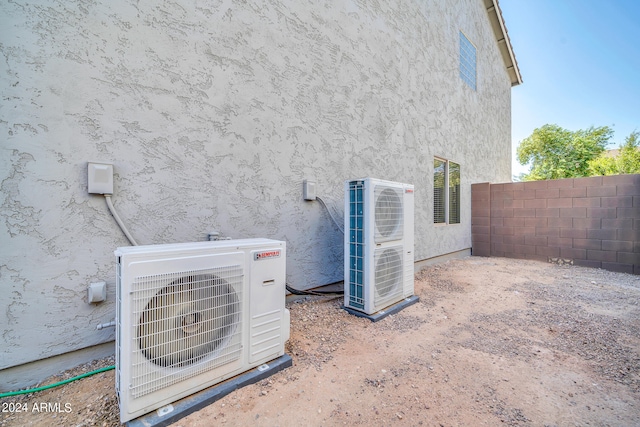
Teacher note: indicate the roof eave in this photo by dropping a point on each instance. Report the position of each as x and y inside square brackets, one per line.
[504, 43]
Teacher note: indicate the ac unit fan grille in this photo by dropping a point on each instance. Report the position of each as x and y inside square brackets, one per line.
[388, 214]
[190, 324]
[388, 275]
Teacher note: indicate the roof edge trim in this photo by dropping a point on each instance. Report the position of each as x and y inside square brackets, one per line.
[504, 43]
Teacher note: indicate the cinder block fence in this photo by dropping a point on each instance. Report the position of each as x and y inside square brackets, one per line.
[593, 222]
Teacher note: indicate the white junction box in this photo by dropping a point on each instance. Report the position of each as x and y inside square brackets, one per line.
[308, 189]
[100, 178]
[97, 292]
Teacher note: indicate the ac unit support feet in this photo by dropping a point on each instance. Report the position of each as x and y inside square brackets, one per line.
[392, 309]
[199, 400]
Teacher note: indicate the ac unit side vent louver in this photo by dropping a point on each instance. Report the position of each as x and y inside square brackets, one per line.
[356, 245]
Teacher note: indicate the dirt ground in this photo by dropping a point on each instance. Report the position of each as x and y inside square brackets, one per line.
[492, 341]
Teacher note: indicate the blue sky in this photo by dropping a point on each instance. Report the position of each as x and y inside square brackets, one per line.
[580, 65]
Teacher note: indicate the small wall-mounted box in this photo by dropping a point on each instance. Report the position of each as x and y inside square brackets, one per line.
[308, 190]
[100, 178]
[97, 292]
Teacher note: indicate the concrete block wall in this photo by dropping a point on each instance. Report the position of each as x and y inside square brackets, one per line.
[593, 222]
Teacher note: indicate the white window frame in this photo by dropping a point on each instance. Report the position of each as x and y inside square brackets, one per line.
[446, 191]
[468, 61]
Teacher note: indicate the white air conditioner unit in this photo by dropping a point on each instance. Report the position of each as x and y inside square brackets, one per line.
[192, 315]
[378, 245]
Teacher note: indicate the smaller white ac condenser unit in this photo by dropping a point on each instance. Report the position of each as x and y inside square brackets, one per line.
[378, 245]
[191, 315]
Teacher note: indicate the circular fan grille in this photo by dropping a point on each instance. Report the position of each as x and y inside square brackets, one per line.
[188, 320]
[388, 274]
[388, 212]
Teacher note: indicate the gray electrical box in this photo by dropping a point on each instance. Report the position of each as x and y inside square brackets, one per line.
[97, 292]
[309, 189]
[100, 178]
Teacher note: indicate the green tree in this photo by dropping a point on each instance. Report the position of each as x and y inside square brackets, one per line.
[556, 153]
[626, 161]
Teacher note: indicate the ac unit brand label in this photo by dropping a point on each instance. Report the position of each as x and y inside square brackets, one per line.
[409, 190]
[275, 253]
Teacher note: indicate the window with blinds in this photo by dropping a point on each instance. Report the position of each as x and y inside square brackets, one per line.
[446, 192]
[454, 193]
[439, 191]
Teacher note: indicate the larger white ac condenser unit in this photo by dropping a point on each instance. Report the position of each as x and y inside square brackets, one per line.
[192, 315]
[378, 247]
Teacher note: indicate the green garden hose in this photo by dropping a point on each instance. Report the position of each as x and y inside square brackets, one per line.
[33, 390]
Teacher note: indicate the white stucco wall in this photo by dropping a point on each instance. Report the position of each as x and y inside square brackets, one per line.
[213, 113]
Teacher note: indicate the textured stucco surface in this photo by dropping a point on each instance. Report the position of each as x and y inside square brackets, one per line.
[213, 113]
